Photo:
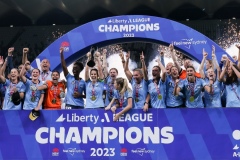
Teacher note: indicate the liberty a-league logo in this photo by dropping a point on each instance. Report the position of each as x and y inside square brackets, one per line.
[236, 136]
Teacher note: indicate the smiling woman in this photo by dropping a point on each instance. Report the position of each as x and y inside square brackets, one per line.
[94, 86]
[54, 91]
[33, 99]
[14, 87]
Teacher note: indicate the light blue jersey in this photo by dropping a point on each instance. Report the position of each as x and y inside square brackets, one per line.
[171, 99]
[109, 86]
[157, 94]
[72, 86]
[139, 93]
[32, 97]
[8, 104]
[213, 99]
[123, 100]
[233, 94]
[94, 94]
[193, 96]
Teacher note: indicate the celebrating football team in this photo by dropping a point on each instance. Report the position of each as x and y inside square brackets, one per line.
[213, 85]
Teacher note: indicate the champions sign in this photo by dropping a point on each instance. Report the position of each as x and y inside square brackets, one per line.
[129, 28]
[91, 134]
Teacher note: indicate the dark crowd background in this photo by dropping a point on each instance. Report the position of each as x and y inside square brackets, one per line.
[37, 38]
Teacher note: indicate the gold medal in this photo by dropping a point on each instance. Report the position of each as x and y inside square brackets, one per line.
[160, 96]
[136, 99]
[62, 94]
[54, 101]
[93, 98]
[191, 99]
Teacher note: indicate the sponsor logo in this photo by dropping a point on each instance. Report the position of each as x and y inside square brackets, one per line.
[60, 119]
[187, 43]
[236, 154]
[236, 136]
[130, 20]
[65, 45]
[55, 152]
[235, 147]
[72, 151]
[78, 118]
[123, 152]
[142, 151]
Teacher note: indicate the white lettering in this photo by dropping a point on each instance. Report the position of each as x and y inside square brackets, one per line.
[100, 135]
[167, 136]
[54, 134]
[156, 27]
[188, 42]
[136, 117]
[129, 135]
[106, 134]
[129, 27]
[100, 28]
[76, 118]
[38, 135]
[153, 136]
[73, 135]
[91, 135]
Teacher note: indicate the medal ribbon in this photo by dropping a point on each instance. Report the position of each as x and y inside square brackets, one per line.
[55, 89]
[76, 85]
[235, 92]
[191, 87]
[121, 100]
[110, 90]
[137, 86]
[156, 86]
[212, 90]
[44, 76]
[10, 89]
[93, 90]
[212, 93]
[34, 92]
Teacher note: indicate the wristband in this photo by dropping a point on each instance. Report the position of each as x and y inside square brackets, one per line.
[145, 103]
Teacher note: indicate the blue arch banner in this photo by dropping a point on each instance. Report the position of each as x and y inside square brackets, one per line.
[106, 31]
[91, 134]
